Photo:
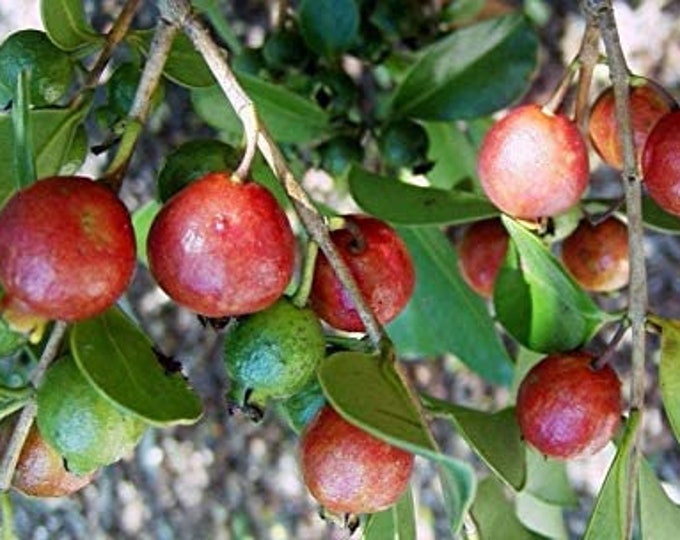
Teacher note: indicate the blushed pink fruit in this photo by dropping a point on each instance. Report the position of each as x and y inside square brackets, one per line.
[481, 253]
[661, 163]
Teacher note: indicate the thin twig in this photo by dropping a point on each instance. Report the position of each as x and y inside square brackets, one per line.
[16, 442]
[588, 56]
[602, 13]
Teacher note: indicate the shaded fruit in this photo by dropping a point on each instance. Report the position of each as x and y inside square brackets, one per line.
[51, 69]
[597, 255]
[481, 252]
[67, 250]
[85, 428]
[272, 354]
[648, 103]
[403, 144]
[349, 471]
[533, 164]
[381, 265]
[566, 408]
[661, 163]
[222, 248]
[339, 153]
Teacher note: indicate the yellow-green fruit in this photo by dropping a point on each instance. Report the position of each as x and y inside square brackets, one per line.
[272, 354]
[87, 429]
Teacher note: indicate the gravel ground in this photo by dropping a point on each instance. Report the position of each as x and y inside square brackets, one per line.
[225, 478]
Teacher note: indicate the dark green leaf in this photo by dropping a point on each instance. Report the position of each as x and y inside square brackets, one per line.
[24, 161]
[471, 73]
[53, 133]
[329, 27]
[444, 315]
[289, 117]
[66, 25]
[547, 480]
[669, 371]
[537, 302]
[494, 436]
[370, 393]
[494, 513]
[607, 521]
[659, 516]
[184, 66]
[142, 218]
[541, 517]
[658, 219]
[395, 523]
[454, 156]
[118, 359]
[10, 341]
[406, 204]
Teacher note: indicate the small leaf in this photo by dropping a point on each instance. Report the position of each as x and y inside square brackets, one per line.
[494, 513]
[444, 315]
[547, 480]
[406, 204]
[370, 393]
[118, 359]
[473, 72]
[289, 117]
[659, 516]
[66, 25]
[142, 218]
[453, 154]
[669, 370]
[329, 27]
[656, 218]
[395, 523]
[494, 436]
[537, 302]
[607, 521]
[540, 517]
[24, 161]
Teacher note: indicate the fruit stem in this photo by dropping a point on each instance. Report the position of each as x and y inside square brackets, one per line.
[304, 289]
[159, 51]
[180, 12]
[557, 98]
[8, 460]
[601, 12]
[588, 57]
[603, 359]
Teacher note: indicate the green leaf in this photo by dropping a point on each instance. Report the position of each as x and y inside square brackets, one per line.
[65, 23]
[607, 521]
[547, 480]
[53, 132]
[10, 341]
[329, 27]
[406, 204]
[541, 517]
[119, 360]
[395, 523]
[537, 302]
[494, 513]
[495, 437]
[659, 516]
[444, 315]
[656, 218]
[669, 370]
[472, 72]
[142, 218]
[184, 66]
[453, 154]
[370, 393]
[24, 161]
[290, 118]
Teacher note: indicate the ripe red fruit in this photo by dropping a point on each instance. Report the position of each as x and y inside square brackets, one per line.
[222, 248]
[533, 164]
[648, 103]
[67, 250]
[481, 251]
[597, 255]
[381, 265]
[568, 409]
[348, 470]
[661, 163]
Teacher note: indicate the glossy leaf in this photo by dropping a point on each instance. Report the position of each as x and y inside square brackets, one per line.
[406, 204]
[289, 117]
[444, 315]
[495, 437]
[142, 218]
[607, 521]
[118, 359]
[395, 523]
[184, 66]
[472, 72]
[453, 154]
[65, 23]
[537, 302]
[329, 27]
[669, 370]
[53, 132]
[547, 480]
[494, 513]
[659, 515]
[370, 393]
[656, 218]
